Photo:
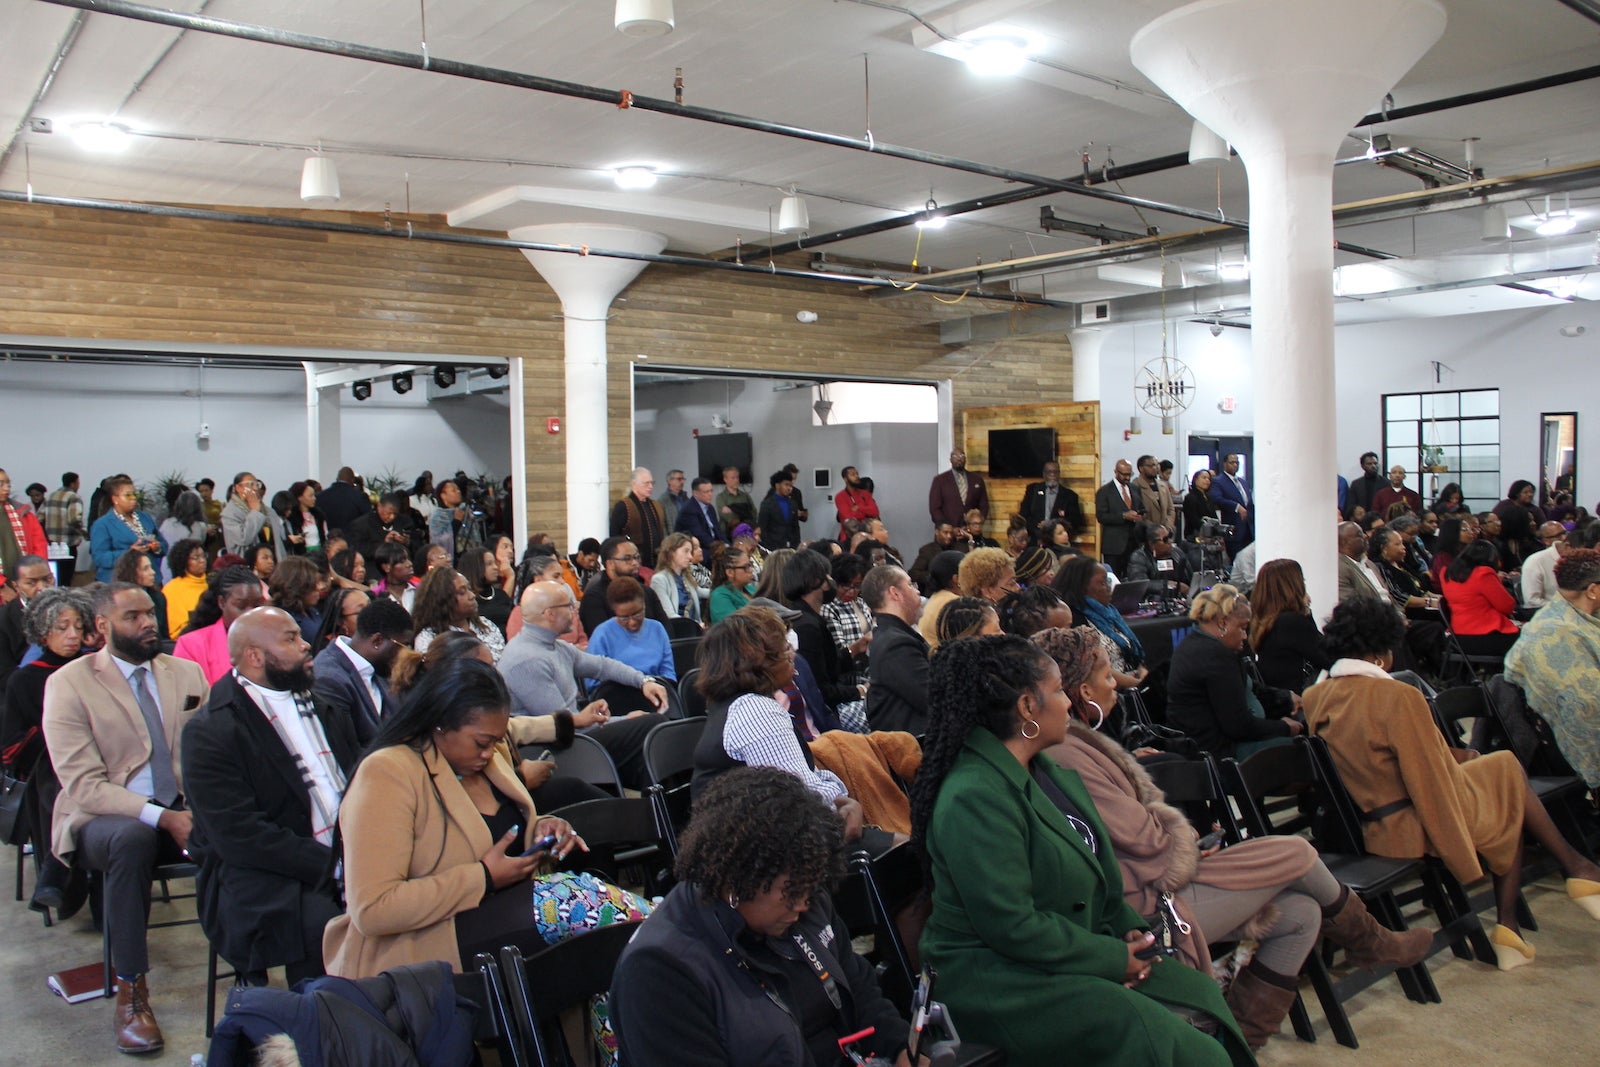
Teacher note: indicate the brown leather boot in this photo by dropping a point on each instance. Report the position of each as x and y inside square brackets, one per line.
[137, 1032]
[1259, 999]
[1367, 942]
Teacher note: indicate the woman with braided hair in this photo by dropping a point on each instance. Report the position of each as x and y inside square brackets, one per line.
[1028, 915]
[1272, 890]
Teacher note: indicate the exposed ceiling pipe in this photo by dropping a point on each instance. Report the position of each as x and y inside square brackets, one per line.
[621, 98]
[408, 233]
[1181, 159]
[68, 39]
[1589, 9]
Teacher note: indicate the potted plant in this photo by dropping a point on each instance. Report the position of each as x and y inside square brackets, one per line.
[1433, 459]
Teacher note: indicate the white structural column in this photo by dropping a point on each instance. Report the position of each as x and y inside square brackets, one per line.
[586, 285]
[322, 423]
[1284, 81]
[1086, 345]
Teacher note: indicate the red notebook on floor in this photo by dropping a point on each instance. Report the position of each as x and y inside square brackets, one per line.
[79, 983]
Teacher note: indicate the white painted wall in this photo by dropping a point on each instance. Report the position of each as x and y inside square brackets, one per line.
[100, 420]
[1522, 353]
[901, 459]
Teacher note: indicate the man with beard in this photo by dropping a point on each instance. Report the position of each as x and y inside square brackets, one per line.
[854, 501]
[113, 723]
[955, 492]
[265, 769]
[352, 673]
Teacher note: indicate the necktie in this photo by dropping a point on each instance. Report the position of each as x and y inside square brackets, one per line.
[1126, 499]
[711, 519]
[164, 781]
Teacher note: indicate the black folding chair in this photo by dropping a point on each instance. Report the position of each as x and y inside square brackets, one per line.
[1292, 771]
[620, 833]
[684, 649]
[694, 702]
[493, 1025]
[550, 981]
[585, 759]
[1472, 667]
[669, 763]
[674, 708]
[164, 873]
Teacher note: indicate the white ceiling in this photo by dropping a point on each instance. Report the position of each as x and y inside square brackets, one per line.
[227, 122]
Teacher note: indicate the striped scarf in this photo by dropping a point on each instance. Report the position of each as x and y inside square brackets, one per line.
[324, 804]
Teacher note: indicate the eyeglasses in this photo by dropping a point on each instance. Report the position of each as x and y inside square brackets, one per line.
[626, 559]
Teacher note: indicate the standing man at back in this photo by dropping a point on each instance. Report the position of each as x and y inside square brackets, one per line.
[342, 503]
[640, 518]
[955, 491]
[1045, 500]
[1232, 498]
[1118, 513]
[1155, 495]
[698, 518]
[62, 516]
[112, 723]
[674, 500]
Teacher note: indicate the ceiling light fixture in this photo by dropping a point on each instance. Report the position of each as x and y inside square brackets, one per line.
[319, 180]
[1234, 271]
[361, 390]
[101, 136]
[401, 382]
[792, 214]
[996, 55]
[634, 176]
[1496, 224]
[931, 219]
[1205, 146]
[644, 18]
[1557, 224]
[444, 376]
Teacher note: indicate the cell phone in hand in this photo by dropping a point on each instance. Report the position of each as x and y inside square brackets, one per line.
[544, 844]
[1149, 952]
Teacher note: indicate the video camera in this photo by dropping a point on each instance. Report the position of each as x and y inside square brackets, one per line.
[1214, 527]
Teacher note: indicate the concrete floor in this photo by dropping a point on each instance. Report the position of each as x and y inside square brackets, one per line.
[1541, 1014]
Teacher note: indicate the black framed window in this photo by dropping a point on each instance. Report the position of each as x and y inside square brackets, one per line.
[1460, 431]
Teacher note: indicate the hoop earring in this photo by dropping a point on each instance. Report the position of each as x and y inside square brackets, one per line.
[1098, 710]
[1024, 731]
[733, 901]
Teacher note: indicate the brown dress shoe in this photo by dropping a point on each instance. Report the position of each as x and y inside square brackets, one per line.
[137, 1032]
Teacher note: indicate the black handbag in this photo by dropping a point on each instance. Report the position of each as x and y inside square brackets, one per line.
[13, 828]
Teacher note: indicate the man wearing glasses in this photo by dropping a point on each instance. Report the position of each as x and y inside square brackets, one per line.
[1158, 563]
[621, 558]
[1539, 569]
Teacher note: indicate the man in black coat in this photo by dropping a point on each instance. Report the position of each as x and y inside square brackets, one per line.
[390, 522]
[1049, 499]
[1118, 511]
[897, 696]
[342, 503]
[263, 771]
[351, 674]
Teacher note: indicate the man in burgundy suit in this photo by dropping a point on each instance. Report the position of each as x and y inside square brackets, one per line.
[1396, 493]
[954, 491]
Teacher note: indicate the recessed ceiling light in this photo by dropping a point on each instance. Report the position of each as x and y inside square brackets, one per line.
[1234, 271]
[1556, 224]
[100, 136]
[635, 176]
[997, 54]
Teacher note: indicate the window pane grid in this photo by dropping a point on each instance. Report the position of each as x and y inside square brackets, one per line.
[1463, 425]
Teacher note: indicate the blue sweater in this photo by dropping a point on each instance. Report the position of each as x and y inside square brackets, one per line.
[110, 537]
[649, 651]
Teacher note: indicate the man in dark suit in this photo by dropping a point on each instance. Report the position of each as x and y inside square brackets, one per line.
[698, 517]
[390, 522]
[264, 769]
[897, 698]
[342, 503]
[1232, 497]
[1118, 513]
[351, 674]
[955, 491]
[1049, 499]
[30, 575]
[113, 723]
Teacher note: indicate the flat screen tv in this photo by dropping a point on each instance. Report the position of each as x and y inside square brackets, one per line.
[725, 450]
[1020, 453]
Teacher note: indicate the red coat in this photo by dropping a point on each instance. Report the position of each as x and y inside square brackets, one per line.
[1479, 605]
[34, 542]
[854, 504]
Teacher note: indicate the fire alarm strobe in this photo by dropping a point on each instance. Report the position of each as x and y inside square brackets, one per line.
[552, 425]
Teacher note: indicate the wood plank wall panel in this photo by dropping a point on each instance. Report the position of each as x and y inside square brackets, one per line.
[1077, 427]
[80, 273]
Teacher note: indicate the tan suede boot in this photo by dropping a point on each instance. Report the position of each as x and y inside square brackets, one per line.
[1259, 999]
[1367, 942]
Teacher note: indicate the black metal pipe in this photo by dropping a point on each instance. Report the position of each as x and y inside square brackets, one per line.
[1532, 85]
[619, 97]
[1587, 8]
[291, 222]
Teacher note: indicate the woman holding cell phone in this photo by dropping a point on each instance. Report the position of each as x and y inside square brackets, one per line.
[440, 837]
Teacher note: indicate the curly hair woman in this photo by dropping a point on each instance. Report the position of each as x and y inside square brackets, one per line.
[447, 601]
[1421, 796]
[1037, 951]
[745, 961]
[1273, 890]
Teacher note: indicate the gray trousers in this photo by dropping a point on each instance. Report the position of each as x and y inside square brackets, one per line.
[126, 852]
[1291, 938]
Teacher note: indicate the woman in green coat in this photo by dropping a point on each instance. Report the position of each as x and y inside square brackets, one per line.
[1036, 949]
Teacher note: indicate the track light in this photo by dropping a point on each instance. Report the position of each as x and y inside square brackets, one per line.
[361, 390]
[1205, 146]
[499, 370]
[634, 176]
[444, 376]
[319, 180]
[402, 382]
[792, 214]
[644, 18]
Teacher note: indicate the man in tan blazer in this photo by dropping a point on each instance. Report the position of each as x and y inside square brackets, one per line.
[112, 722]
[1155, 495]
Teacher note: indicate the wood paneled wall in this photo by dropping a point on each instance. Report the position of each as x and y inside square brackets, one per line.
[1077, 427]
[81, 273]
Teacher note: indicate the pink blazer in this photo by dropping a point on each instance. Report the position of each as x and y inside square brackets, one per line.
[208, 647]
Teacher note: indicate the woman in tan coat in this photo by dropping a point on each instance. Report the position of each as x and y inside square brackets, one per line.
[1273, 890]
[438, 830]
[1419, 795]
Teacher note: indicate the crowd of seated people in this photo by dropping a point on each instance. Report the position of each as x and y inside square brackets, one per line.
[320, 700]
